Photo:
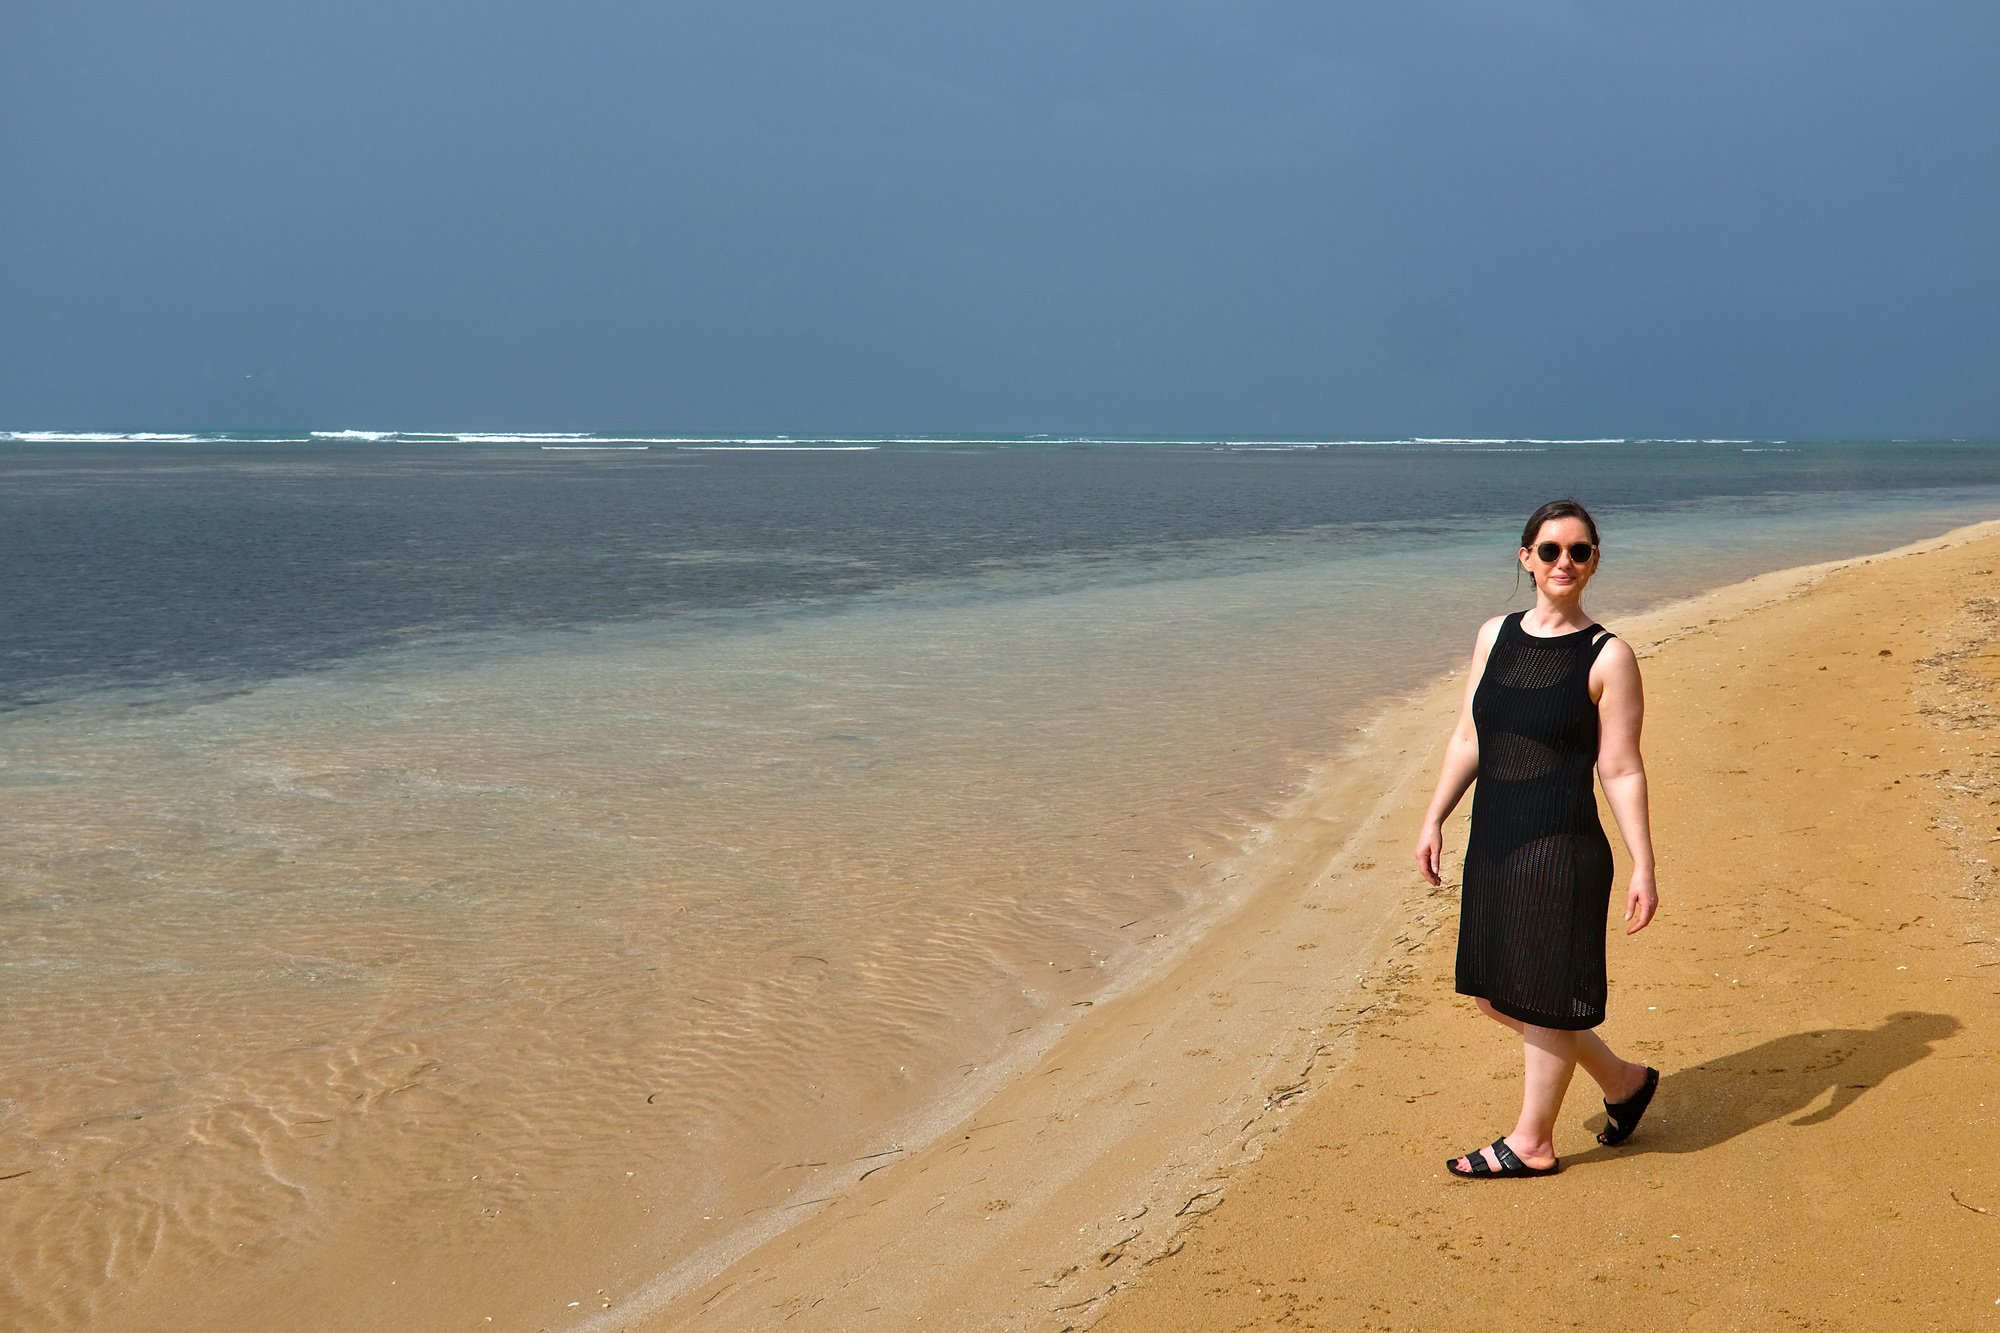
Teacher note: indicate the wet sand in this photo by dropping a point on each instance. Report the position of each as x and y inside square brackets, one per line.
[1253, 1133]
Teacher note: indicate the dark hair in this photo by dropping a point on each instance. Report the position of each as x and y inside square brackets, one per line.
[1567, 507]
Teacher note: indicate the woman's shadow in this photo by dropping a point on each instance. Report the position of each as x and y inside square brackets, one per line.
[1711, 1103]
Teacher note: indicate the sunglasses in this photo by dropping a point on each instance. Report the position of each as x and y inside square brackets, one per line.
[1579, 552]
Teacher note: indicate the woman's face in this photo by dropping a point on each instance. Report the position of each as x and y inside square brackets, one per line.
[1562, 577]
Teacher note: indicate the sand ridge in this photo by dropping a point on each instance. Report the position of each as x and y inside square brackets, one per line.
[1091, 1159]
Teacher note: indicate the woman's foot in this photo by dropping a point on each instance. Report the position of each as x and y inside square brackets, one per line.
[1542, 1157]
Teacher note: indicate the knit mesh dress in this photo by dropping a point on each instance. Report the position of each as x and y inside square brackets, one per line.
[1538, 866]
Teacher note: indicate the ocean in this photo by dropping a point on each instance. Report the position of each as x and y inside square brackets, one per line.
[429, 838]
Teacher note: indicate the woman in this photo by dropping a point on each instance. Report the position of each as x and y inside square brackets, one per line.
[1550, 696]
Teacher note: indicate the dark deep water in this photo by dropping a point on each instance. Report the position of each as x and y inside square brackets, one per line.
[234, 561]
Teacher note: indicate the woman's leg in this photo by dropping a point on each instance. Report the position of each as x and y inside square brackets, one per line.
[1619, 1078]
[1550, 1057]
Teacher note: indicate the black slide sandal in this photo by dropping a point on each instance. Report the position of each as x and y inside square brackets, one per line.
[1622, 1119]
[1510, 1164]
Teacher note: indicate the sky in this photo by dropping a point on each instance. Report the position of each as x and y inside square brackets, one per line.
[1524, 218]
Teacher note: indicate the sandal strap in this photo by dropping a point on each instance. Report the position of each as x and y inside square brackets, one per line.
[1505, 1156]
[1622, 1118]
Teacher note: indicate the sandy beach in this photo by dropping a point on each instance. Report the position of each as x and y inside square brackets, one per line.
[1252, 1134]
[1819, 995]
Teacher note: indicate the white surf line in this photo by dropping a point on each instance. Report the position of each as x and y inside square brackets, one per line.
[613, 447]
[95, 437]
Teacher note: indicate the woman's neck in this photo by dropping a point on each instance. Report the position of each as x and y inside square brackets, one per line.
[1550, 617]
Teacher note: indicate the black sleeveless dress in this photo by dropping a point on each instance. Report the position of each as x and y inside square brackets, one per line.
[1538, 866]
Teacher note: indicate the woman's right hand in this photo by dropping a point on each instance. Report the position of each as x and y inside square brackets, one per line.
[1430, 853]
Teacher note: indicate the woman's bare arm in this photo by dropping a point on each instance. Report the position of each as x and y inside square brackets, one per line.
[1621, 711]
[1461, 763]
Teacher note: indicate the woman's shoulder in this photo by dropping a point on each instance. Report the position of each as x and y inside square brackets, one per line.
[1482, 642]
[1490, 631]
[1612, 653]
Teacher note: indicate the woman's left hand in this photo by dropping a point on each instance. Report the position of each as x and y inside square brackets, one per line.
[1641, 901]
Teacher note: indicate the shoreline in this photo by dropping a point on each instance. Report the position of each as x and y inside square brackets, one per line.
[1048, 1196]
[1082, 1103]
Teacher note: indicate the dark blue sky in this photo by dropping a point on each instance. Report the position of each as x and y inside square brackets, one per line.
[1487, 217]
